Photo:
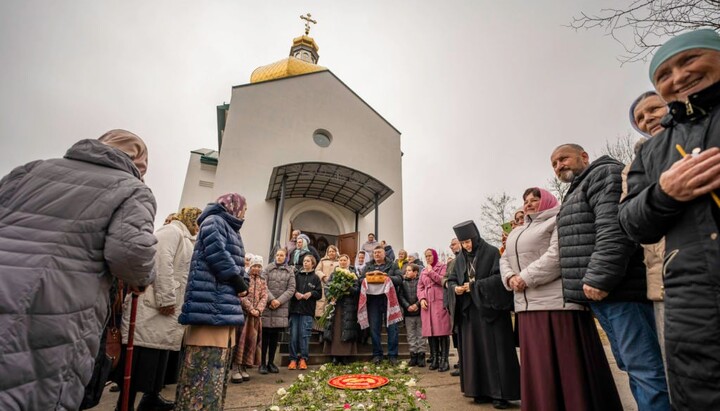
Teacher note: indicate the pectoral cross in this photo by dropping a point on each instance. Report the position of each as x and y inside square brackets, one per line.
[308, 20]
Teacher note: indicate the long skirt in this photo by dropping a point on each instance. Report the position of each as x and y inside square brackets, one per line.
[488, 361]
[564, 366]
[337, 347]
[249, 344]
[202, 383]
[148, 369]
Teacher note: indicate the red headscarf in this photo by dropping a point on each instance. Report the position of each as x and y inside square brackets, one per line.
[233, 203]
[547, 200]
[436, 261]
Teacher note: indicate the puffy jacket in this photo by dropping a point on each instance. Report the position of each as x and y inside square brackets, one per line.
[216, 271]
[280, 281]
[408, 296]
[172, 263]
[67, 225]
[692, 249]
[532, 253]
[593, 249]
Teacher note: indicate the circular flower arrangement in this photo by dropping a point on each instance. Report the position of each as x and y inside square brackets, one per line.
[358, 381]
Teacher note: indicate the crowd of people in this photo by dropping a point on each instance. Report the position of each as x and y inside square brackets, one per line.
[77, 231]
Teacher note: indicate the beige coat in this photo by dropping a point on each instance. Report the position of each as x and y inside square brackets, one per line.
[152, 329]
[532, 252]
[654, 256]
[323, 270]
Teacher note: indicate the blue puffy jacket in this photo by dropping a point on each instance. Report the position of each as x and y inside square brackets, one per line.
[216, 271]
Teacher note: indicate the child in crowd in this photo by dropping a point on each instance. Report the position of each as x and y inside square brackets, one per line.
[302, 312]
[411, 311]
[249, 344]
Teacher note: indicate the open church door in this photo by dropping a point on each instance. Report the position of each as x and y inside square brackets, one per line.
[348, 244]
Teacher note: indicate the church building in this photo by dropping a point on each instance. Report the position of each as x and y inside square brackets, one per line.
[308, 154]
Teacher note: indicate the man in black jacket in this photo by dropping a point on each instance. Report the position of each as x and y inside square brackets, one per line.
[377, 306]
[670, 194]
[603, 267]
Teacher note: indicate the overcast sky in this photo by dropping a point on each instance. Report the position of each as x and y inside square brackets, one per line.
[482, 91]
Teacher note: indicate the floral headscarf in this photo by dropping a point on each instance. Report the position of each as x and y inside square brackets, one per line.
[233, 203]
[188, 216]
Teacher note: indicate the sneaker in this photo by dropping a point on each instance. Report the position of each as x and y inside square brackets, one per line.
[293, 365]
[263, 369]
[244, 373]
[377, 360]
[303, 364]
[236, 378]
[272, 368]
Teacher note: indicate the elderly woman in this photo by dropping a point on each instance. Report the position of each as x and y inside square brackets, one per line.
[434, 316]
[280, 281]
[564, 366]
[482, 319]
[324, 269]
[302, 249]
[69, 226]
[671, 195]
[157, 331]
[212, 309]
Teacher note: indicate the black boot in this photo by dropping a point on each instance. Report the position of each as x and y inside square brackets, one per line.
[434, 354]
[413, 359]
[154, 402]
[421, 359]
[444, 354]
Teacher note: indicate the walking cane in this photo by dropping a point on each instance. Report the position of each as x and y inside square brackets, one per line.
[129, 354]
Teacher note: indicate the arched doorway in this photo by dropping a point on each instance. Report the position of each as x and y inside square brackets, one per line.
[319, 227]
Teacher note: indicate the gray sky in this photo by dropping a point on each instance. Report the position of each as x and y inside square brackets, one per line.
[481, 90]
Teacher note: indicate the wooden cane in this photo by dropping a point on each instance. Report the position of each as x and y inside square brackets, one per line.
[129, 355]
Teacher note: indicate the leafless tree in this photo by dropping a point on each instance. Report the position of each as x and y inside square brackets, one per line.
[622, 149]
[642, 25]
[497, 209]
[558, 188]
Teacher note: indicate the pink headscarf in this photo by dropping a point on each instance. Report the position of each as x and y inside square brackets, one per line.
[436, 261]
[129, 144]
[547, 200]
[233, 203]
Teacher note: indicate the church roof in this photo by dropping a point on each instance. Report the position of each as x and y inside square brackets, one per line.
[334, 183]
[286, 67]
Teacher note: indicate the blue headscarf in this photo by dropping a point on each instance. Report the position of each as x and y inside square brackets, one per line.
[698, 39]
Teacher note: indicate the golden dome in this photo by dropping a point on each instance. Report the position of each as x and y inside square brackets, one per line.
[287, 67]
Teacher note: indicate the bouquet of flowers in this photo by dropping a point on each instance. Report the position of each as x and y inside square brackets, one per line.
[339, 286]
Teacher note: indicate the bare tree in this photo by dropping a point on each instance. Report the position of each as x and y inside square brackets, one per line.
[643, 25]
[497, 209]
[622, 149]
[558, 188]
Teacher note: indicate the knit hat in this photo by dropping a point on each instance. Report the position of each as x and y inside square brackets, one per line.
[697, 39]
[256, 260]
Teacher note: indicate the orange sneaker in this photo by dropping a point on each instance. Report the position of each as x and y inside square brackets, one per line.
[303, 364]
[293, 365]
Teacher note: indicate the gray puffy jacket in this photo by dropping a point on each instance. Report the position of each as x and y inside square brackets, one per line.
[66, 225]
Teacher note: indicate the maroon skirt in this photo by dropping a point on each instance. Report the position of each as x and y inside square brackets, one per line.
[563, 364]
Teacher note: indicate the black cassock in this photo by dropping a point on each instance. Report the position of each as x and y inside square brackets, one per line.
[488, 362]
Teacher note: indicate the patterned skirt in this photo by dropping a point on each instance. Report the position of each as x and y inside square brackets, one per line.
[249, 344]
[202, 383]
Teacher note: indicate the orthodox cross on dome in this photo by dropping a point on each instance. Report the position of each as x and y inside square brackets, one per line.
[308, 20]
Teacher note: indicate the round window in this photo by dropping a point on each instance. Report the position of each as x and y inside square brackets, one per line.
[321, 137]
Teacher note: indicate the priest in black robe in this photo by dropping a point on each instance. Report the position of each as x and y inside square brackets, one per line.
[489, 369]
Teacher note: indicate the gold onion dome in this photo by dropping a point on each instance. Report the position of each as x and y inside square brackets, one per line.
[303, 60]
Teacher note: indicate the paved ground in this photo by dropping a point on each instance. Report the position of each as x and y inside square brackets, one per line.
[443, 390]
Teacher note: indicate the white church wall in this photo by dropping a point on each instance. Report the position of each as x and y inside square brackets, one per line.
[198, 189]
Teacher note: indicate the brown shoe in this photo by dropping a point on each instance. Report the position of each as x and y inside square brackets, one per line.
[303, 364]
[293, 365]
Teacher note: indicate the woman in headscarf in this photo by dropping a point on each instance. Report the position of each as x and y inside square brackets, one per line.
[212, 309]
[342, 331]
[302, 248]
[324, 269]
[489, 369]
[360, 260]
[564, 366]
[434, 316]
[157, 332]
